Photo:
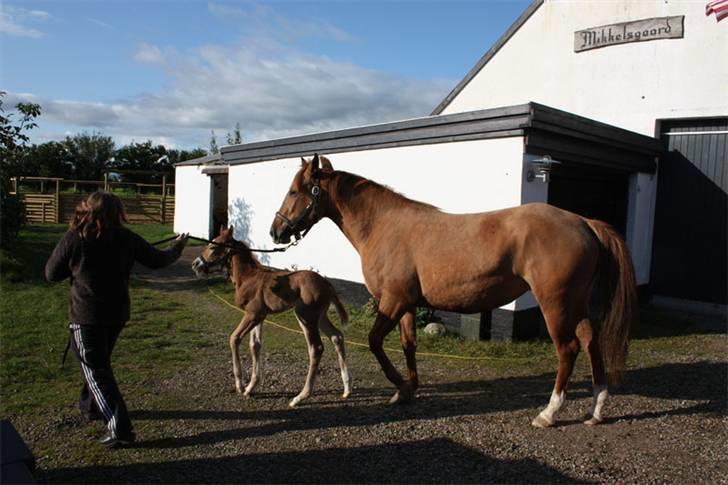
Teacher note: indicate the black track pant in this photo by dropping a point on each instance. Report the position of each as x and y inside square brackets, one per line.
[93, 345]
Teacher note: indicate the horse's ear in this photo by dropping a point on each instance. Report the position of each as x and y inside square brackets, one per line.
[326, 166]
[303, 162]
[315, 163]
[231, 229]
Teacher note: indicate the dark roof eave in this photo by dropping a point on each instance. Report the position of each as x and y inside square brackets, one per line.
[588, 140]
[212, 159]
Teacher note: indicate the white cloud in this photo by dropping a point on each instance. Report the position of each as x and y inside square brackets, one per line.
[149, 54]
[13, 20]
[269, 86]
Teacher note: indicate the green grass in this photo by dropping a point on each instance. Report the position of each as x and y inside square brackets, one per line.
[169, 331]
[165, 329]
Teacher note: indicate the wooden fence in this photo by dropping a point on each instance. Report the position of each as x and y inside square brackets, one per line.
[58, 207]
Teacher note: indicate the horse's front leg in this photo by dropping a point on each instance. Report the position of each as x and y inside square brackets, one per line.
[246, 325]
[389, 313]
[256, 341]
[408, 337]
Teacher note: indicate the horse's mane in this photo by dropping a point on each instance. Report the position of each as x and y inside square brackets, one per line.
[247, 256]
[348, 184]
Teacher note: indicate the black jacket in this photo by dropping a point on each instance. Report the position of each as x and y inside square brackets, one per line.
[99, 272]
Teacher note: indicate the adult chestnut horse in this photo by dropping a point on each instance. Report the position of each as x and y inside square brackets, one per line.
[413, 254]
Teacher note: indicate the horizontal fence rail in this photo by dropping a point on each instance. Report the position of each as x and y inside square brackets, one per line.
[59, 206]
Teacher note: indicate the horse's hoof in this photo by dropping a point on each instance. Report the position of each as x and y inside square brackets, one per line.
[593, 421]
[404, 395]
[541, 422]
[294, 402]
[346, 395]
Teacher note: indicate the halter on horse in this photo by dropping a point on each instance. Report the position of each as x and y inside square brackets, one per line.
[414, 255]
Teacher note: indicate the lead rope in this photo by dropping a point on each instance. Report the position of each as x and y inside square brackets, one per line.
[274, 250]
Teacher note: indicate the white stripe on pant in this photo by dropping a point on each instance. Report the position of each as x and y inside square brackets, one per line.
[93, 386]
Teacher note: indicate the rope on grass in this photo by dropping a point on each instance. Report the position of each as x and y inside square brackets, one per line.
[359, 344]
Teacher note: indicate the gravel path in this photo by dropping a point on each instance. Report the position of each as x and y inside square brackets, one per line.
[470, 424]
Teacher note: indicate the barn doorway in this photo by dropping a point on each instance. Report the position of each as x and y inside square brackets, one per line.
[689, 257]
[218, 202]
[593, 192]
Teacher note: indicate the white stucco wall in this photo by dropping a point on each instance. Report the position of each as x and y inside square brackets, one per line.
[430, 173]
[628, 85]
[192, 201]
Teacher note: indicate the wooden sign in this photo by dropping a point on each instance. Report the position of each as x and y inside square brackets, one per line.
[626, 32]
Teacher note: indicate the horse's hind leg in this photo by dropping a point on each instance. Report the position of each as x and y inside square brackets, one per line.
[589, 339]
[562, 332]
[256, 341]
[408, 338]
[337, 339]
[309, 325]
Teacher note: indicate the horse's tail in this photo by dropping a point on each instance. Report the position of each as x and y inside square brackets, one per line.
[343, 316]
[616, 280]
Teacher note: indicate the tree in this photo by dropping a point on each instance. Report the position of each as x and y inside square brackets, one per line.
[143, 157]
[213, 143]
[236, 138]
[13, 141]
[90, 154]
[50, 159]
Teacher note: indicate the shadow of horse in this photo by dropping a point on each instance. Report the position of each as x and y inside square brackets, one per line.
[438, 460]
[701, 381]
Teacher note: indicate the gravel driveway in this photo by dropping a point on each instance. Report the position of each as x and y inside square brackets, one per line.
[470, 424]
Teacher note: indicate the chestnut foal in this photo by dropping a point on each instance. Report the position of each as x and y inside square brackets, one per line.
[261, 291]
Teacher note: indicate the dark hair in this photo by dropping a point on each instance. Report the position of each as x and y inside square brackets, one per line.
[99, 212]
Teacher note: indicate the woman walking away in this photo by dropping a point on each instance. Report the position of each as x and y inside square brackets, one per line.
[97, 254]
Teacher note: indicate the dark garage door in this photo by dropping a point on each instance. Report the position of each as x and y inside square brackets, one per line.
[593, 192]
[689, 245]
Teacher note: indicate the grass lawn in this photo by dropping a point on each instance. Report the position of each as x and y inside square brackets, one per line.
[163, 329]
[171, 330]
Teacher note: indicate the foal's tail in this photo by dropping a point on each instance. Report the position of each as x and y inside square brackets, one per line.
[616, 279]
[343, 316]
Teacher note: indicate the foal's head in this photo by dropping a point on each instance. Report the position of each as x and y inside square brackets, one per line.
[302, 206]
[217, 254]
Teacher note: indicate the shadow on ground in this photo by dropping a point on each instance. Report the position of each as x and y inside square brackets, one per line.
[702, 381]
[427, 461]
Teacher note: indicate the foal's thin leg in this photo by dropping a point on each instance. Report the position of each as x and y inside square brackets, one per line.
[590, 343]
[338, 340]
[315, 349]
[408, 337]
[256, 341]
[245, 325]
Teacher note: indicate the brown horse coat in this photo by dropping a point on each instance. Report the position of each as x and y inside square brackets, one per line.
[261, 291]
[413, 255]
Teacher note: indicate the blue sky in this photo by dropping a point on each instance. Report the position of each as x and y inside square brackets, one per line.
[173, 70]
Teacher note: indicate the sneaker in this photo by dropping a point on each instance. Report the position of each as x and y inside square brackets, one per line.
[111, 441]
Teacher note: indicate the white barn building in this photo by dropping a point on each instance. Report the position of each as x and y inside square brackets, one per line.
[612, 92]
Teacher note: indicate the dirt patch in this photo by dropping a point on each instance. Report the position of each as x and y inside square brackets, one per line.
[469, 424]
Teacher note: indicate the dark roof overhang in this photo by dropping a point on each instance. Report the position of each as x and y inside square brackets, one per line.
[546, 130]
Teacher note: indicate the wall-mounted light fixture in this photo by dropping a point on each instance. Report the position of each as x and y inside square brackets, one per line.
[540, 168]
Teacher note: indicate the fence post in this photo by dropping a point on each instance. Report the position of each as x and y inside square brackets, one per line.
[58, 201]
[15, 184]
[164, 199]
[106, 181]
